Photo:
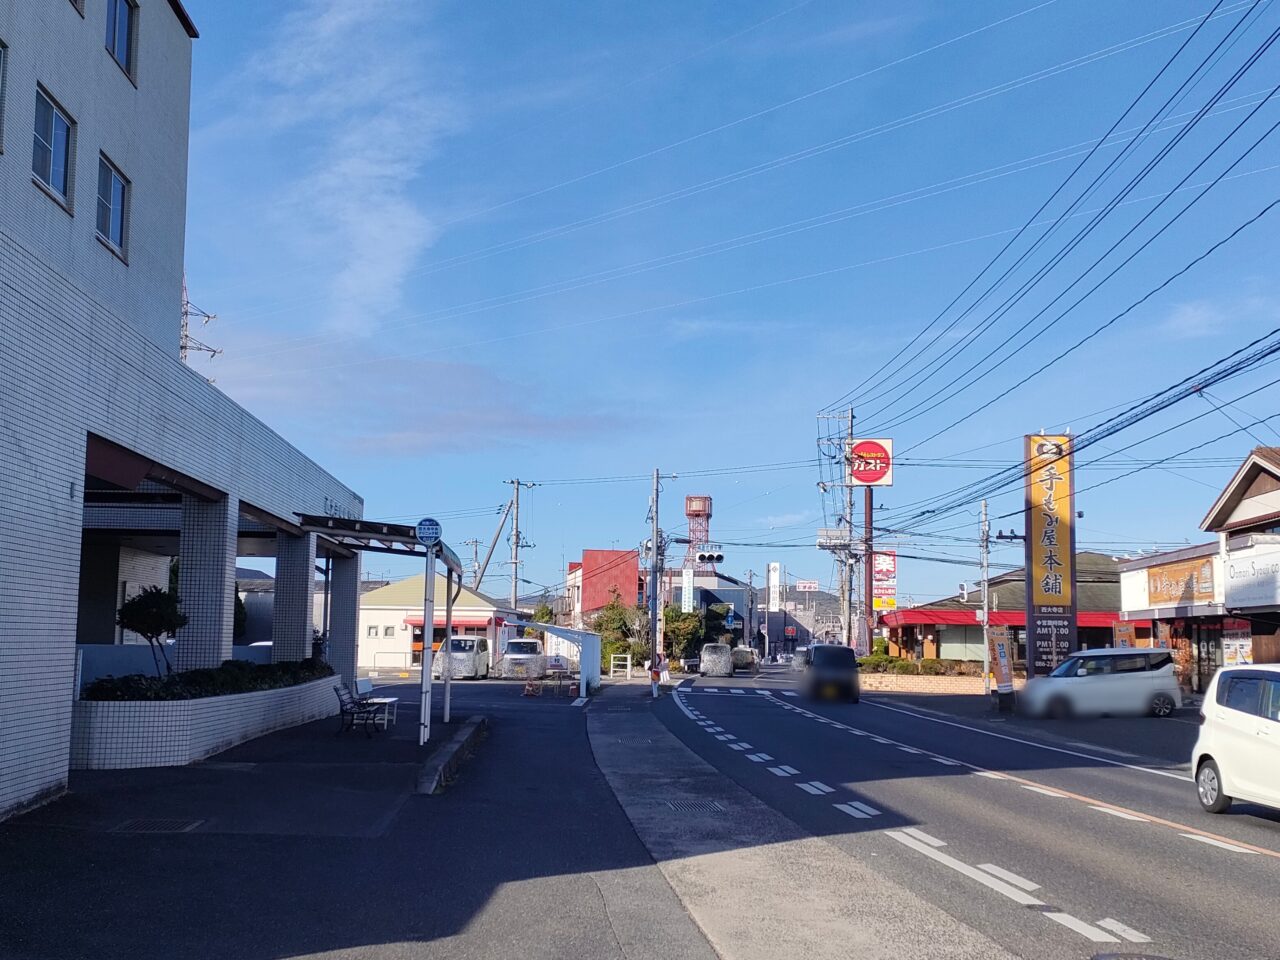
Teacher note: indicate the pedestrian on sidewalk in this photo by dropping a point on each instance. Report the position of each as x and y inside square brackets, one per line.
[656, 667]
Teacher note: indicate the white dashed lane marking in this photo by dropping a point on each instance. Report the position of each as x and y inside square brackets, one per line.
[1087, 930]
[758, 757]
[924, 837]
[1009, 877]
[991, 775]
[815, 787]
[1222, 844]
[852, 811]
[1123, 815]
[726, 736]
[789, 693]
[1130, 934]
[783, 771]
[737, 691]
[1043, 791]
[909, 750]
[945, 762]
[959, 866]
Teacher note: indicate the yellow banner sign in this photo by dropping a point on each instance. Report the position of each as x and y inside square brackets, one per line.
[1188, 581]
[1001, 657]
[1049, 538]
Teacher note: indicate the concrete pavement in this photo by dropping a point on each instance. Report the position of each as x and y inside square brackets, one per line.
[1050, 850]
[758, 885]
[527, 854]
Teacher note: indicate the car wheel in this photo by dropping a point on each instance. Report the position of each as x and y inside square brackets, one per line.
[1209, 788]
[1162, 705]
[1059, 708]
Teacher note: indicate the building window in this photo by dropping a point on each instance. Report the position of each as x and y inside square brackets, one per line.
[51, 147]
[388, 631]
[371, 633]
[4, 65]
[113, 199]
[121, 18]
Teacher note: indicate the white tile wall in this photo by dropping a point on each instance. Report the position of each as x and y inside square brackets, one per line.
[109, 734]
[89, 344]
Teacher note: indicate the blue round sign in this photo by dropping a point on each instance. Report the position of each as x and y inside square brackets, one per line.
[428, 531]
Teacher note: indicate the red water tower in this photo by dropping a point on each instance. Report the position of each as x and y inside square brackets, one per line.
[697, 509]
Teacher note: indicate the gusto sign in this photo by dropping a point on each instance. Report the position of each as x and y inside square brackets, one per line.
[869, 462]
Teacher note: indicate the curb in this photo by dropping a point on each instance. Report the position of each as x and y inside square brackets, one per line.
[440, 769]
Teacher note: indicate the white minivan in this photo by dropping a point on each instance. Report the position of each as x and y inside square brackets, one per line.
[1113, 681]
[1237, 755]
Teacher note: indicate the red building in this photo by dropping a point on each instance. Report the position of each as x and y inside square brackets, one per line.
[593, 581]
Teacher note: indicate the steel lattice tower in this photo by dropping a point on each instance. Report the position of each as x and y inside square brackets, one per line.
[697, 509]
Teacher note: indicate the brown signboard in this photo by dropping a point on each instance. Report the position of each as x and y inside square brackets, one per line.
[1181, 583]
[1051, 553]
[1123, 634]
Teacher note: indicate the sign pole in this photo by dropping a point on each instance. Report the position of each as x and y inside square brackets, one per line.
[428, 533]
[428, 628]
[447, 647]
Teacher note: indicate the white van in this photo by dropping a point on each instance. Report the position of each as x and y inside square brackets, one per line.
[1115, 681]
[1237, 754]
[522, 659]
[468, 656]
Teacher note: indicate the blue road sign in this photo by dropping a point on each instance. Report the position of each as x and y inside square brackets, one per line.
[428, 531]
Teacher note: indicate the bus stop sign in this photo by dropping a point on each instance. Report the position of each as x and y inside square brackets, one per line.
[428, 532]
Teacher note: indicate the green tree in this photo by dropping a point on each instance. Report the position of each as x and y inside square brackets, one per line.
[542, 613]
[615, 621]
[684, 632]
[714, 628]
[153, 613]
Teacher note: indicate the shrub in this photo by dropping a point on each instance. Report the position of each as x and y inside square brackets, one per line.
[234, 676]
[968, 668]
[904, 666]
[934, 668]
[875, 662]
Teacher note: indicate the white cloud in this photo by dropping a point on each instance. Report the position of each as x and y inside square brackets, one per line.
[346, 90]
[1192, 320]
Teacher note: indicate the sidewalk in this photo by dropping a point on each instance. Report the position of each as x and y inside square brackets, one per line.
[759, 886]
[307, 845]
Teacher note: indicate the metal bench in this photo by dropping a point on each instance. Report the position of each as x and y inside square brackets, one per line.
[355, 711]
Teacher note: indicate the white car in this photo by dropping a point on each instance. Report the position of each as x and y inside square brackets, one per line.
[1237, 755]
[1114, 681]
[468, 659]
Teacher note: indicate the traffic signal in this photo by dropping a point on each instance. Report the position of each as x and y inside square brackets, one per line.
[710, 556]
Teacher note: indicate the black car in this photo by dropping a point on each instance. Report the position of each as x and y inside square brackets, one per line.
[832, 673]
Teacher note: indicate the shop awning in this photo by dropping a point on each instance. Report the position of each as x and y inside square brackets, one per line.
[1008, 618]
[415, 620]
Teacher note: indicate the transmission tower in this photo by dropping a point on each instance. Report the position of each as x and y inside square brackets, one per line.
[187, 342]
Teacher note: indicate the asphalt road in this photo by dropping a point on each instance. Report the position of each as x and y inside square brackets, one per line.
[1053, 848]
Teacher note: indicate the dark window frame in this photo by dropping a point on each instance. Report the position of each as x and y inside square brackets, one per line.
[65, 199]
[112, 40]
[120, 247]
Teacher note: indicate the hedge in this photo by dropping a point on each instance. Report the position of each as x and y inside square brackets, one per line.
[234, 676]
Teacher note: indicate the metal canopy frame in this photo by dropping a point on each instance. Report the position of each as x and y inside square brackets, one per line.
[376, 537]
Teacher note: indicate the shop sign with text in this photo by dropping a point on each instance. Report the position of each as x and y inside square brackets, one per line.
[1181, 583]
[884, 580]
[869, 463]
[1050, 551]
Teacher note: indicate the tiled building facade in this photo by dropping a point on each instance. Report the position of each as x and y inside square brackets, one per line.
[93, 161]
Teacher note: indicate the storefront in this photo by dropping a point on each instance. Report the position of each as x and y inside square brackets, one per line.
[1182, 593]
[1246, 518]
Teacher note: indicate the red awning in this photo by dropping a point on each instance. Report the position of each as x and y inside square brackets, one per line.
[438, 620]
[1008, 618]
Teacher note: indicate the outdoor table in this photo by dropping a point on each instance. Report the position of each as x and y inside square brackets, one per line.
[389, 709]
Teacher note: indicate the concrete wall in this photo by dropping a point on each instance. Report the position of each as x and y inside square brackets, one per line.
[112, 734]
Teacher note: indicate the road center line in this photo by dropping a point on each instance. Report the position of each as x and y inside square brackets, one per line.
[1214, 841]
[1130, 934]
[1009, 877]
[1079, 926]
[1044, 790]
[1123, 815]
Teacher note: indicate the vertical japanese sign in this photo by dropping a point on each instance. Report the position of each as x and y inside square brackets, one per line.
[1051, 553]
[884, 580]
[775, 587]
[686, 590]
[1000, 657]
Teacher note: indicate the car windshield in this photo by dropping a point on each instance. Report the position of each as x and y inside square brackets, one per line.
[522, 647]
[1067, 668]
[462, 645]
[833, 656]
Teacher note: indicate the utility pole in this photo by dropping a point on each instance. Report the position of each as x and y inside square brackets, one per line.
[474, 544]
[984, 546]
[851, 639]
[515, 540]
[749, 616]
[868, 571]
[655, 571]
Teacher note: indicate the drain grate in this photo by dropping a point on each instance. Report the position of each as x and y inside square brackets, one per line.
[156, 825]
[635, 740]
[695, 806]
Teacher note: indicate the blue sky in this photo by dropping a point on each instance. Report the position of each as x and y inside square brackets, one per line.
[454, 243]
